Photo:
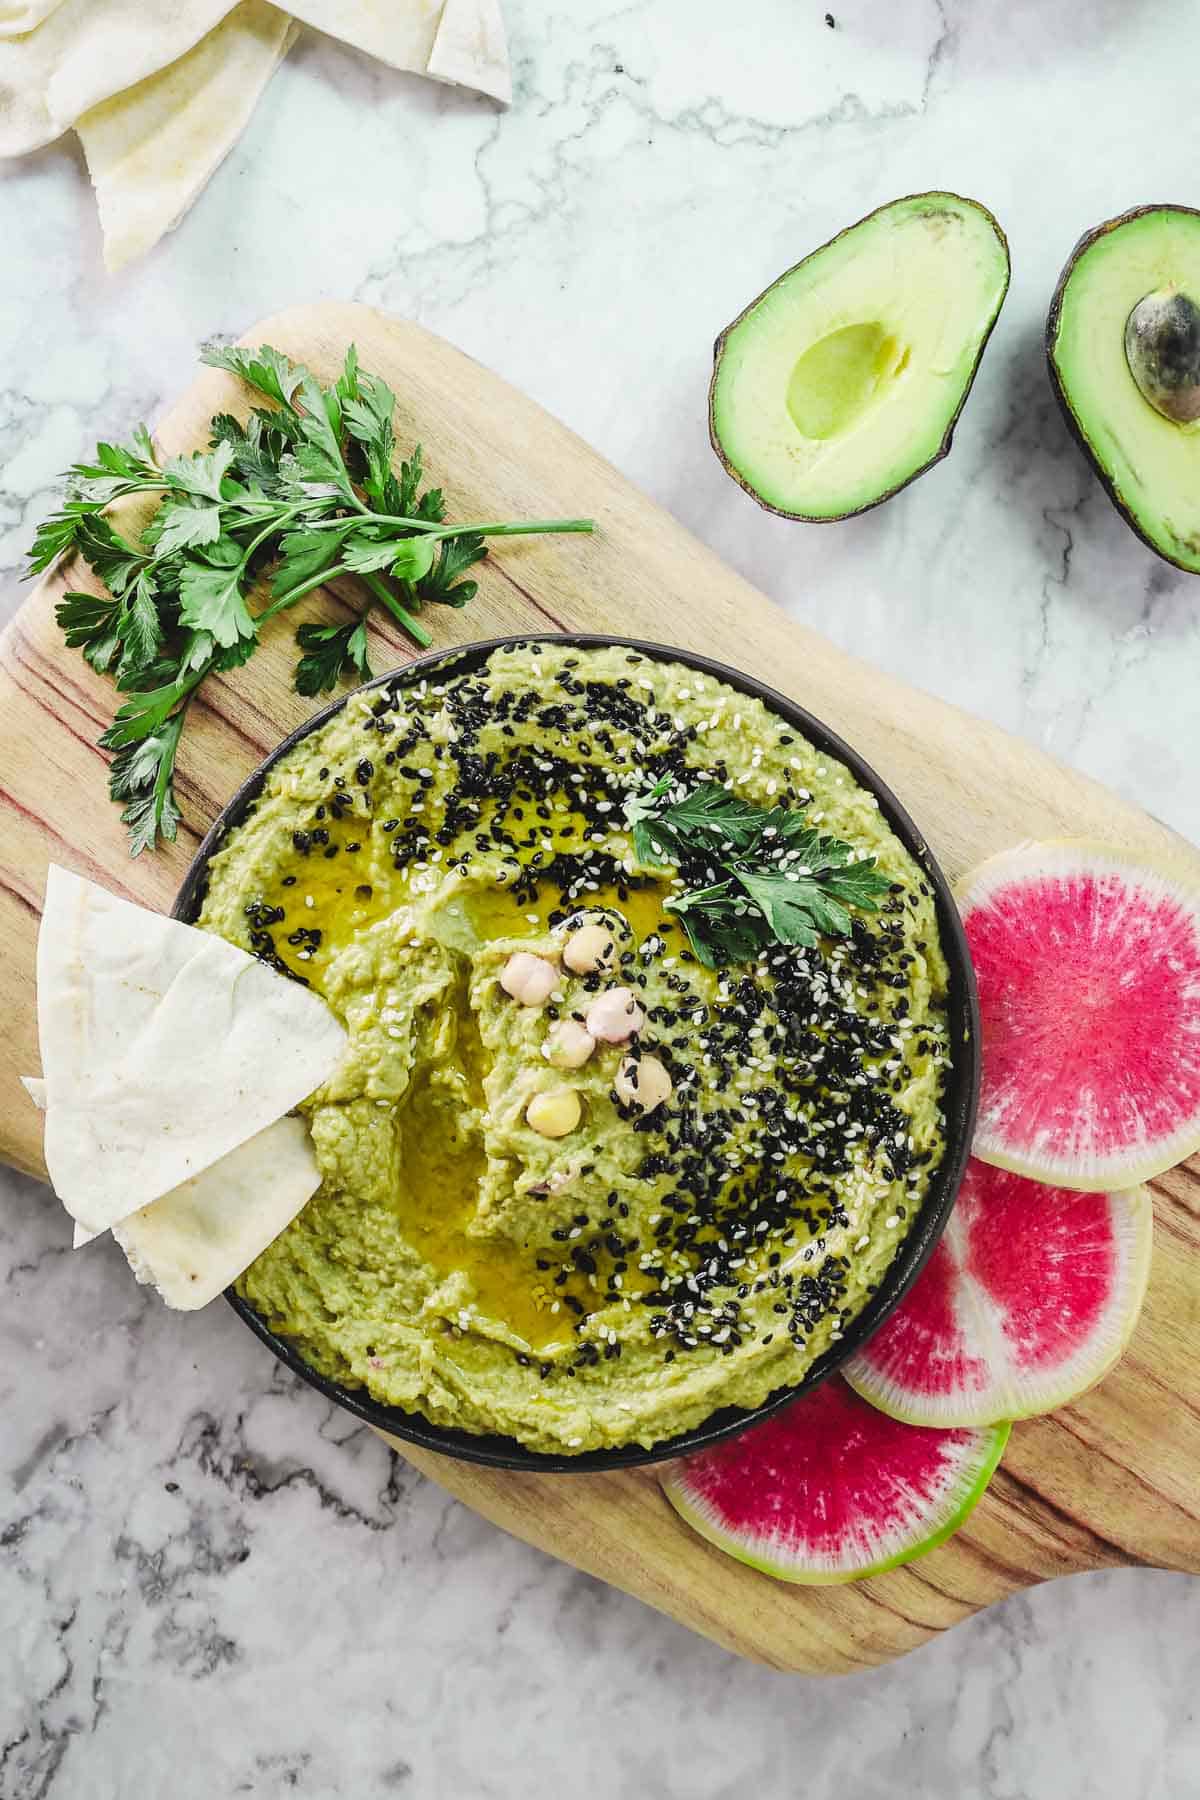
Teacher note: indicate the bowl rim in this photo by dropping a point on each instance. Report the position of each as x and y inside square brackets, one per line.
[494, 1450]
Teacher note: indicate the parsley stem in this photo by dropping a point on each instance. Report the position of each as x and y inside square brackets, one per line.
[299, 591]
[274, 524]
[186, 688]
[168, 748]
[503, 528]
[400, 613]
[518, 527]
[133, 723]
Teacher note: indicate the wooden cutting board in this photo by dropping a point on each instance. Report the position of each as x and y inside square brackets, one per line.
[1113, 1479]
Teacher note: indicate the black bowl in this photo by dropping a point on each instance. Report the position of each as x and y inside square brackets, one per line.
[961, 1097]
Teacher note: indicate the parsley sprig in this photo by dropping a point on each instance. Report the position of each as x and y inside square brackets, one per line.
[299, 494]
[751, 876]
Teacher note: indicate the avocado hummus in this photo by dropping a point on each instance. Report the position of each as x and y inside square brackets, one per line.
[510, 1236]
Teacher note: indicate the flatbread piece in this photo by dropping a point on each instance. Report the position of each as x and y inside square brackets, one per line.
[152, 149]
[193, 1242]
[196, 1240]
[19, 16]
[35, 1087]
[84, 52]
[163, 1049]
[471, 49]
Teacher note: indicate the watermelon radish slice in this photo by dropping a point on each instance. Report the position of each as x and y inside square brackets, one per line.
[829, 1490]
[1088, 964]
[1030, 1296]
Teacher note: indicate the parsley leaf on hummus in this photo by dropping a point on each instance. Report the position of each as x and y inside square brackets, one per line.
[784, 881]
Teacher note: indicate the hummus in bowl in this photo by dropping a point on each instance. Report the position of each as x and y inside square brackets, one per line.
[586, 1198]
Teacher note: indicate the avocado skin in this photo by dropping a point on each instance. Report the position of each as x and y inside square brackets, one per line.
[1074, 425]
[943, 448]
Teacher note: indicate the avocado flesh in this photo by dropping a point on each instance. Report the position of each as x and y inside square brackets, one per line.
[843, 380]
[1149, 463]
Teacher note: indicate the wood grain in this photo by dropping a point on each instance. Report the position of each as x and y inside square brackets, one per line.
[1112, 1479]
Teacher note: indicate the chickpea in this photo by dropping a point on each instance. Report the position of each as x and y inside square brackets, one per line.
[554, 1114]
[643, 1082]
[568, 1045]
[529, 979]
[589, 948]
[615, 1016]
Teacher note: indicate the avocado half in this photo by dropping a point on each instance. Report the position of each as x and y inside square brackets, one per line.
[843, 381]
[1122, 342]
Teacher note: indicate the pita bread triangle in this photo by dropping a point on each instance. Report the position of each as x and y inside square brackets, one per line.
[163, 1049]
[85, 51]
[399, 33]
[471, 49]
[35, 1087]
[197, 1239]
[19, 16]
[151, 149]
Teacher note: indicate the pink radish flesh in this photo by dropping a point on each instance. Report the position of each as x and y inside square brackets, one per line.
[830, 1489]
[1029, 1298]
[1089, 985]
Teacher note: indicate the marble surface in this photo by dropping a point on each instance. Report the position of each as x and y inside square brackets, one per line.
[211, 1583]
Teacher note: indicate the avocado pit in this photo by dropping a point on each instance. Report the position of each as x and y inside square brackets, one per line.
[1162, 347]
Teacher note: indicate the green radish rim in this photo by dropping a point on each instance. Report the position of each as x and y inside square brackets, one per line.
[800, 1577]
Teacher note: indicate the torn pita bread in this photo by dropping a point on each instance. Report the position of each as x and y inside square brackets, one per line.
[163, 1049]
[19, 16]
[461, 41]
[471, 49]
[85, 52]
[35, 1087]
[160, 90]
[397, 32]
[197, 1239]
[152, 149]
